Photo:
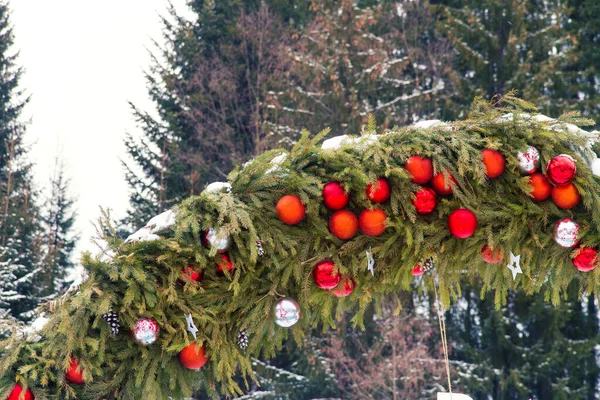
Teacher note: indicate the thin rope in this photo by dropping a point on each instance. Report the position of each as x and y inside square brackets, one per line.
[442, 321]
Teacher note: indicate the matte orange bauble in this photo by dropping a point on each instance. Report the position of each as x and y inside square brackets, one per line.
[372, 222]
[420, 168]
[193, 356]
[75, 373]
[347, 286]
[15, 394]
[343, 224]
[494, 163]
[379, 192]
[442, 185]
[541, 187]
[334, 196]
[325, 275]
[425, 201]
[565, 196]
[462, 223]
[290, 209]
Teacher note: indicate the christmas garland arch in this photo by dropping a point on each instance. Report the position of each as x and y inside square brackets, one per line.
[294, 239]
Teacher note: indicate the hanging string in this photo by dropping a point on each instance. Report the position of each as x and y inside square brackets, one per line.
[442, 321]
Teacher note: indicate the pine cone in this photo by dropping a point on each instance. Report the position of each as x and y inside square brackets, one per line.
[112, 319]
[428, 265]
[243, 339]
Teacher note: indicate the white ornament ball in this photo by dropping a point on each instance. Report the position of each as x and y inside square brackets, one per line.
[596, 167]
[529, 160]
[566, 233]
[218, 239]
[145, 331]
[286, 312]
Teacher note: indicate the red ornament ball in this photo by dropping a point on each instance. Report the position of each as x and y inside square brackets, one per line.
[540, 187]
[334, 196]
[343, 224]
[193, 356]
[494, 163]
[420, 168]
[566, 233]
[192, 273]
[15, 394]
[145, 331]
[586, 259]
[462, 223]
[442, 185]
[418, 270]
[491, 256]
[75, 373]
[425, 201]
[325, 275]
[561, 169]
[565, 196]
[372, 222]
[347, 286]
[290, 209]
[380, 191]
[225, 264]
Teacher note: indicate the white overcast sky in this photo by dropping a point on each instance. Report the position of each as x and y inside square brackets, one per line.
[84, 60]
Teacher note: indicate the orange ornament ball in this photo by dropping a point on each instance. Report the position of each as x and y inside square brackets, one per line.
[565, 196]
[540, 187]
[442, 185]
[193, 356]
[494, 163]
[290, 209]
[491, 256]
[15, 394]
[75, 373]
[343, 224]
[372, 222]
[420, 168]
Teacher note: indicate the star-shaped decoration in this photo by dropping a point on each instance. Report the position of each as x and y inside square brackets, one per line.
[190, 325]
[370, 261]
[515, 265]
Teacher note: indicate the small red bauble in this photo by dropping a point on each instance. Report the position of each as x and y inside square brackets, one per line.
[565, 196]
[442, 185]
[418, 270]
[529, 160]
[566, 233]
[541, 188]
[225, 263]
[290, 209]
[585, 260]
[75, 373]
[343, 224]
[193, 356]
[192, 273]
[347, 287]
[462, 223]
[425, 201]
[334, 196]
[145, 331]
[372, 222]
[420, 168]
[325, 275]
[380, 191]
[15, 394]
[491, 256]
[494, 163]
[561, 169]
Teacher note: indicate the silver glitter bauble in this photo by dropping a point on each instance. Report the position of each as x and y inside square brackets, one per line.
[286, 312]
[218, 239]
[145, 331]
[566, 233]
[529, 160]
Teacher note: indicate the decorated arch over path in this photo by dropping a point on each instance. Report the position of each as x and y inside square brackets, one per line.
[294, 239]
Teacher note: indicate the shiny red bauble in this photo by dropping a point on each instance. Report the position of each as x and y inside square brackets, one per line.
[462, 223]
[325, 275]
[418, 270]
[491, 256]
[75, 373]
[372, 222]
[334, 196]
[290, 209]
[540, 187]
[192, 273]
[494, 163]
[425, 201]
[15, 394]
[561, 169]
[343, 224]
[380, 191]
[225, 264]
[193, 356]
[420, 168]
[586, 259]
[347, 286]
[441, 184]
